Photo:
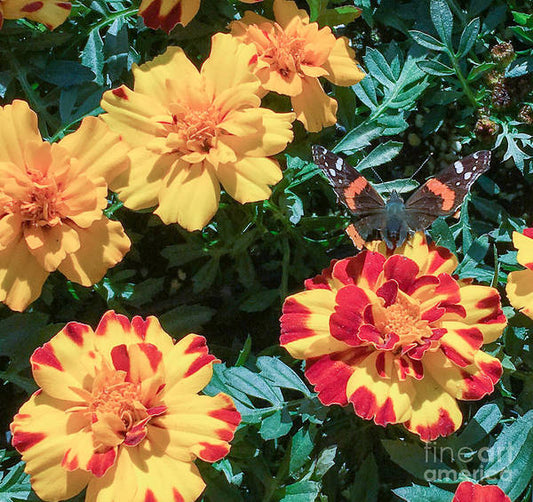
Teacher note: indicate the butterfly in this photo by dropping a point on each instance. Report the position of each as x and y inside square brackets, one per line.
[393, 218]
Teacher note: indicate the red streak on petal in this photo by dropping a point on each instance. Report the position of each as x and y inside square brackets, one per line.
[213, 452]
[444, 426]
[99, 463]
[140, 326]
[433, 314]
[91, 354]
[156, 410]
[119, 92]
[32, 7]
[454, 356]
[293, 321]
[439, 255]
[64, 5]
[177, 496]
[198, 344]
[385, 414]
[401, 269]
[321, 281]
[364, 403]
[477, 386]
[389, 292]
[472, 336]
[72, 464]
[228, 415]
[528, 232]
[470, 492]
[75, 331]
[365, 265]
[449, 288]
[121, 358]
[199, 363]
[493, 370]
[224, 434]
[23, 441]
[149, 496]
[137, 433]
[171, 19]
[45, 356]
[418, 369]
[380, 364]
[489, 302]
[153, 355]
[253, 59]
[420, 282]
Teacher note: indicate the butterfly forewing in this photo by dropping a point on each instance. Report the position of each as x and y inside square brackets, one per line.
[444, 193]
[351, 187]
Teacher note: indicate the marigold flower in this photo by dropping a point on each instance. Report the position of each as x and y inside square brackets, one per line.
[292, 54]
[51, 13]
[520, 283]
[51, 202]
[472, 492]
[194, 130]
[166, 14]
[396, 335]
[118, 412]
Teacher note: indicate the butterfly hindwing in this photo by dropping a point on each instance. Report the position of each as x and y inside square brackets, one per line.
[443, 194]
[351, 187]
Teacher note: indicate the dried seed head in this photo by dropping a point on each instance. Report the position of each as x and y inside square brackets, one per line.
[500, 96]
[486, 129]
[502, 54]
[526, 114]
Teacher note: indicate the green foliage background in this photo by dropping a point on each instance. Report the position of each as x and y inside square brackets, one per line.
[430, 80]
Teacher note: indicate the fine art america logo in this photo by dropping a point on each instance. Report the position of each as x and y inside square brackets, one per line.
[470, 463]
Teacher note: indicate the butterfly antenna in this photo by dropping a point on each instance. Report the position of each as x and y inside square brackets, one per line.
[377, 175]
[421, 166]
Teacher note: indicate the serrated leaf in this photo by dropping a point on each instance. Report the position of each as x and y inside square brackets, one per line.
[468, 37]
[339, 15]
[301, 447]
[417, 493]
[365, 487]
[206, 275]
[280, 374]
[252, 384]
[259, 300]
[482, 423]
[427, 41]
[442, 18]
[186, 318]
[92, 55]
[435, 68]
[66, 73]
[302, 491]
[380, 155]
[358, 138]
[276, 425]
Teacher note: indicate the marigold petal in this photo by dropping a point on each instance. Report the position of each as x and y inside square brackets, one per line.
[524, 244]
[189, 196]
[99, 151]
[195, 426]
[364, 269]
[42, 432]
[10, 229]
[376, 392]
[519, 290]
[471, 492]
[348, 316]
[305, 331]
[460, 342]
[166, 14]
[285, 11]
[341, 65]
[249, 179]
[50, 245]
[435, 412]
[66, 363]
[102, 246]
[21, 276]
[19, 128]
[313, 107]
[51, 13]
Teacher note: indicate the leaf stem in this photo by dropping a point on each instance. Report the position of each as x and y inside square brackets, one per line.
[464, 84]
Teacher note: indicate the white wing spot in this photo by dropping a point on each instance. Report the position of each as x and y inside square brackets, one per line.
[474, 168]
[475, 155]
[332, 172]
[338, 164]
[459, 168]
[457, 183]
[468, 175]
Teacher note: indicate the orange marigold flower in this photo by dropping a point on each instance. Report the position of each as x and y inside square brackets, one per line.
[51, 13]
[292, 54]
[472, 492]
[193, 130]
[166, 14]
[520, 283]
[396, 335]
[119, 412]
[51, 202]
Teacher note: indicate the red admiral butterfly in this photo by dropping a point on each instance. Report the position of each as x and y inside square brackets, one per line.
[395, 219]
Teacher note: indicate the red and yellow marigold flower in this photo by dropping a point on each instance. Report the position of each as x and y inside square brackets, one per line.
[51, 13]
[194, 130]
[292, 54]
[397, 336]
[166, 14]
[52, 198]
[119, 412]
[472, 492]
[520, 283]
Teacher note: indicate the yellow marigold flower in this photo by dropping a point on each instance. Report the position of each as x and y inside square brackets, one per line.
[51, 13]
[51, 202]
[119, 412]
[194, 130]
[520, 283]
[396, 335]
[472, 492]
[292, 54]
[166, 14]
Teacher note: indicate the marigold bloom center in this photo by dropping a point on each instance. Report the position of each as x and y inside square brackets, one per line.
[403, 318]
[117, 399]
[286, 53]
[39, 205]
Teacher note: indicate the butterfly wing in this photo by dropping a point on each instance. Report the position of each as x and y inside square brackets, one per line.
[351, 187]
[443, 194]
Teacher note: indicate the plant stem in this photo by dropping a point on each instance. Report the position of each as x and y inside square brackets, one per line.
[462, 81]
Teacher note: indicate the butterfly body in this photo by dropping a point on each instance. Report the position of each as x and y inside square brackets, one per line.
[393, 218]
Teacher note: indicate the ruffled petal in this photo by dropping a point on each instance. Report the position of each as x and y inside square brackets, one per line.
[519, 290]
[285, 11]
[341, 65]
[524, 244]
[189, 196]
[166, 14]
[42, 432]
[51, 13]
[471, 492]
[102, 246]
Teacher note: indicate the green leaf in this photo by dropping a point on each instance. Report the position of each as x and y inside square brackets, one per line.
[442, 18]
[358, 138]
[280, 374]
[92, 56]
[435, 68]
[427, 41]
[429, 493]
[380, 155]
[15, 484]
[442, 235]
[303, 491]
[402, 185]
[253, 384]
[276, 425]
[66, 73]
[301, 448]
[5, 79]
[468, 37]
[259, 300]
[365, 487]
[186, 318]
[483, 422]
[339, 15]
[316, 8]
[206, 275]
